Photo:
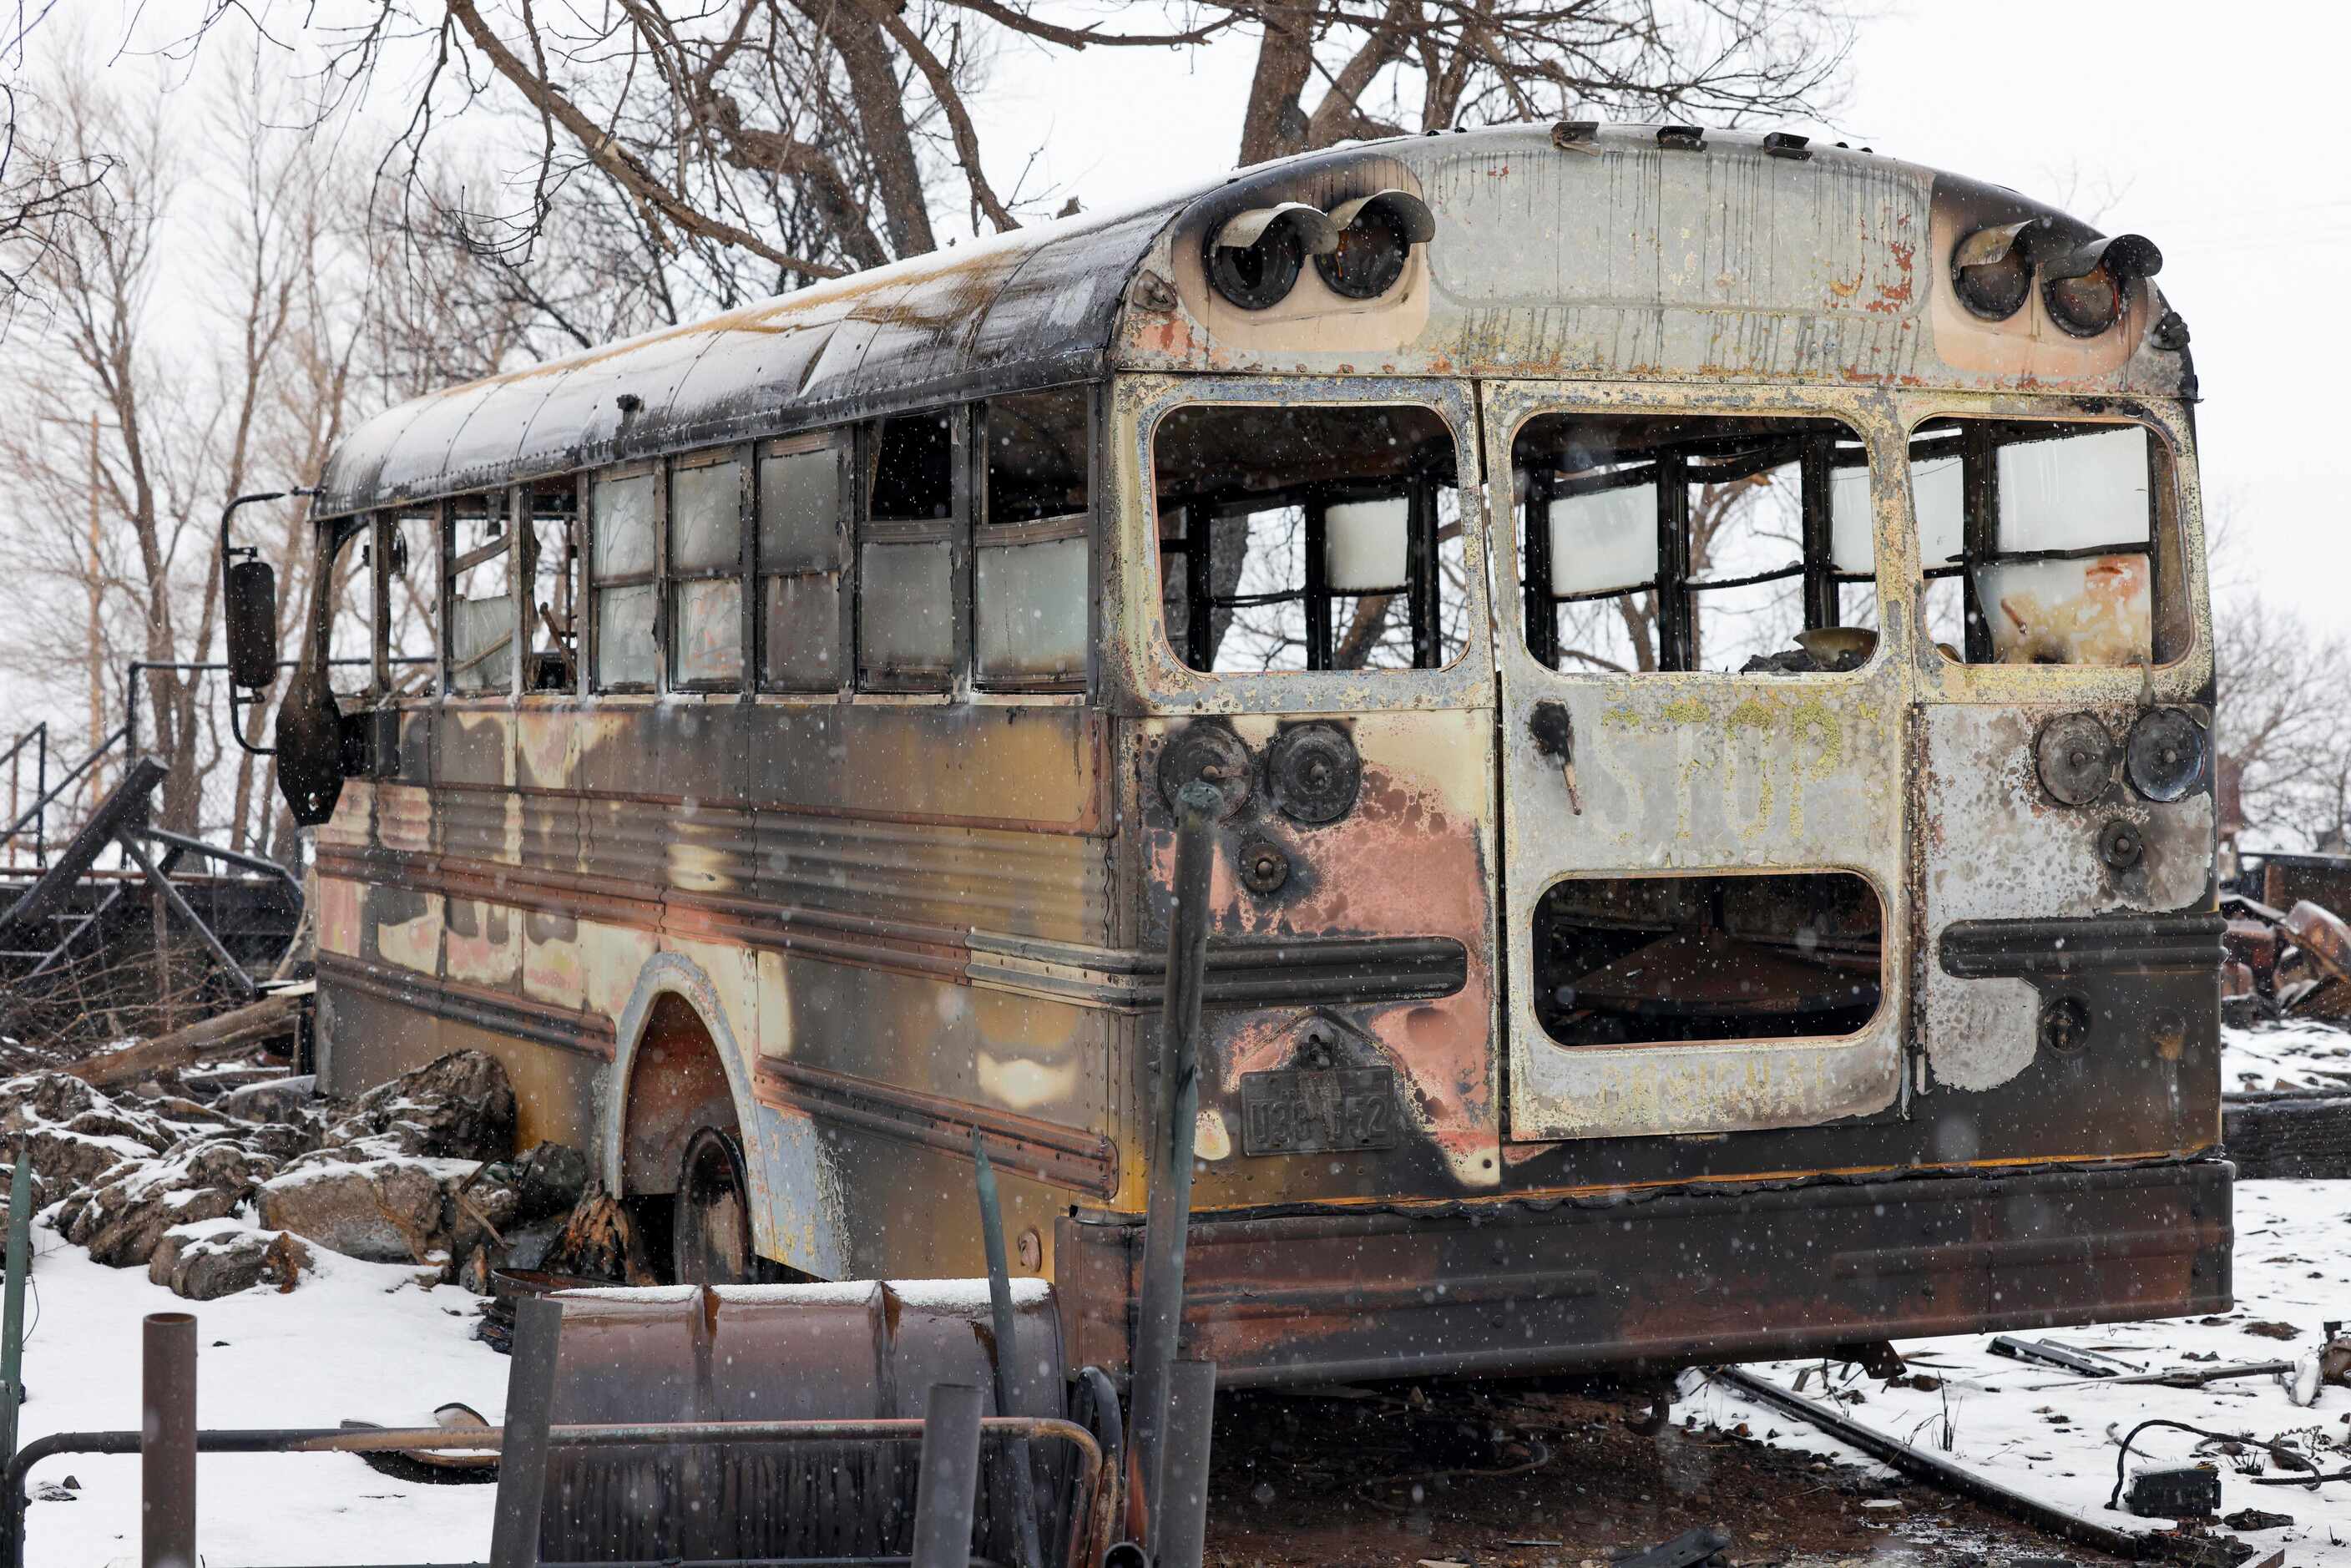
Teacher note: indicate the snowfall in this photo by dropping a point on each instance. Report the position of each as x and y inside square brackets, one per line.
[369, 1342]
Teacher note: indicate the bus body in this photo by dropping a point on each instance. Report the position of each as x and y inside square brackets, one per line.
[1701, 640]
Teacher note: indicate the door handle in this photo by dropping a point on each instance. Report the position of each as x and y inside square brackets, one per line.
[1554, 732]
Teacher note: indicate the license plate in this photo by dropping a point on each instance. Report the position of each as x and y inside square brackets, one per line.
[1317, 1110]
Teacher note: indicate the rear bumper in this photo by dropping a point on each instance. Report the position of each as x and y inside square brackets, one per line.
[1515, 1286]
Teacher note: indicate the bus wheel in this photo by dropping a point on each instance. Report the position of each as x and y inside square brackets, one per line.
[711, 1234]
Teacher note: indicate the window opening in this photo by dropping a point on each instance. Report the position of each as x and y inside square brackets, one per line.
[350, 596]
[414, 543]
[1030, 603]
[2048, 543]
[706, 574]
[553, 507]
[1310, 539]
[621, 560]
[481, 595]
[1695, 543]
[1650, 959]
[802, 481]
[905, 562]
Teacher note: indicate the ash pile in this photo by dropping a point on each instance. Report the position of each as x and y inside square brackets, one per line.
[216, 1181]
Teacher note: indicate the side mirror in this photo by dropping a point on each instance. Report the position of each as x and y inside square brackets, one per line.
[252, 613]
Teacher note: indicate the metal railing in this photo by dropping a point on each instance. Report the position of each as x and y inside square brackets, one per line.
[13, 843]
[37, 815]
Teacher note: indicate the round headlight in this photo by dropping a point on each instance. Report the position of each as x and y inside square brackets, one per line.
[1255, 277]
[1370, 256]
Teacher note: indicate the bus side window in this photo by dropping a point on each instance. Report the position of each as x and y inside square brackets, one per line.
[1030, 604]
[1696, 542]
[705, 573]
[802, 480]
[907, 550]
[1309, 538]
[553, 508]
[481, 604]
[2049, 543]
[414, 543]
[349, 593]
[621, 515]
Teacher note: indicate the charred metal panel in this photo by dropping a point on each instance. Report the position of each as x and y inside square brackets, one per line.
[1495, 1287]
[1412, 861]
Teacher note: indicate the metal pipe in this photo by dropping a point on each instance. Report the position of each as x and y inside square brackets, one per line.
[1921, 1465]
[1180, 1538]
[12, 1314]
[530, 1401]
[12, 1319]
[999, 1302]
[1168, 1207]
[167, 1448]
[948, 1482]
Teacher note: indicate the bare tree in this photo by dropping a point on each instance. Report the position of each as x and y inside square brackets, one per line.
[680, 158]
[204, 324]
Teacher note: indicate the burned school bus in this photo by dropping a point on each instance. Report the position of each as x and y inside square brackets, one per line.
[1700, 641]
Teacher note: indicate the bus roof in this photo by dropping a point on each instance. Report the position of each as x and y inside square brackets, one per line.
[1608, 253]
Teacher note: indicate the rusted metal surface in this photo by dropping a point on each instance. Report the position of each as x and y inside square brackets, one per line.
[733, 1354]
[2323, 935]
[1330, 1293]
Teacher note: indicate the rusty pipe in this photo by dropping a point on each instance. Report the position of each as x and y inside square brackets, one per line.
[1168, 1207]
[167, 1441]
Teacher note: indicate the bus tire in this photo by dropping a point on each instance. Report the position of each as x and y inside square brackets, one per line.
[710, 1231]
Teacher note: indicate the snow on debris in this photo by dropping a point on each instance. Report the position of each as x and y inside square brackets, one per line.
[2004, 1420]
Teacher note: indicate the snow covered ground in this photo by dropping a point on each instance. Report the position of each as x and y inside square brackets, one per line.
[358, 1341]
[365, 1341]
[2004, 1419]
[2298, 1054]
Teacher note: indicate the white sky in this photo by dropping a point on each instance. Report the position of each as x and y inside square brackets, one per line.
[2214, 130]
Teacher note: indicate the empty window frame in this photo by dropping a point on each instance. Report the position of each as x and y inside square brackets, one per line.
[1638, 960]
[1694, 542]
[350, 599]
[411, 607]
[480, 612]
[709, 503]
[1031, 608]
[1309, 537]
[908, 544]
[803, 485]
[2046, 543]
[624, 534]
[550, 613]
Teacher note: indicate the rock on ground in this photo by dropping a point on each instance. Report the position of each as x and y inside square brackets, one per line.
[457, 1107]
[384, 1210]
[206, 1262]
[123, 1217]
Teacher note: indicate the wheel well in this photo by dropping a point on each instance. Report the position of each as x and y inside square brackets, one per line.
[676, 1084]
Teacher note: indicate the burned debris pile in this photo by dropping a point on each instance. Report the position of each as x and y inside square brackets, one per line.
[216, 1188]
[2294, 964]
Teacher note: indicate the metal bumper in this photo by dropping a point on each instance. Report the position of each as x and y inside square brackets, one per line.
[1530, 1285]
